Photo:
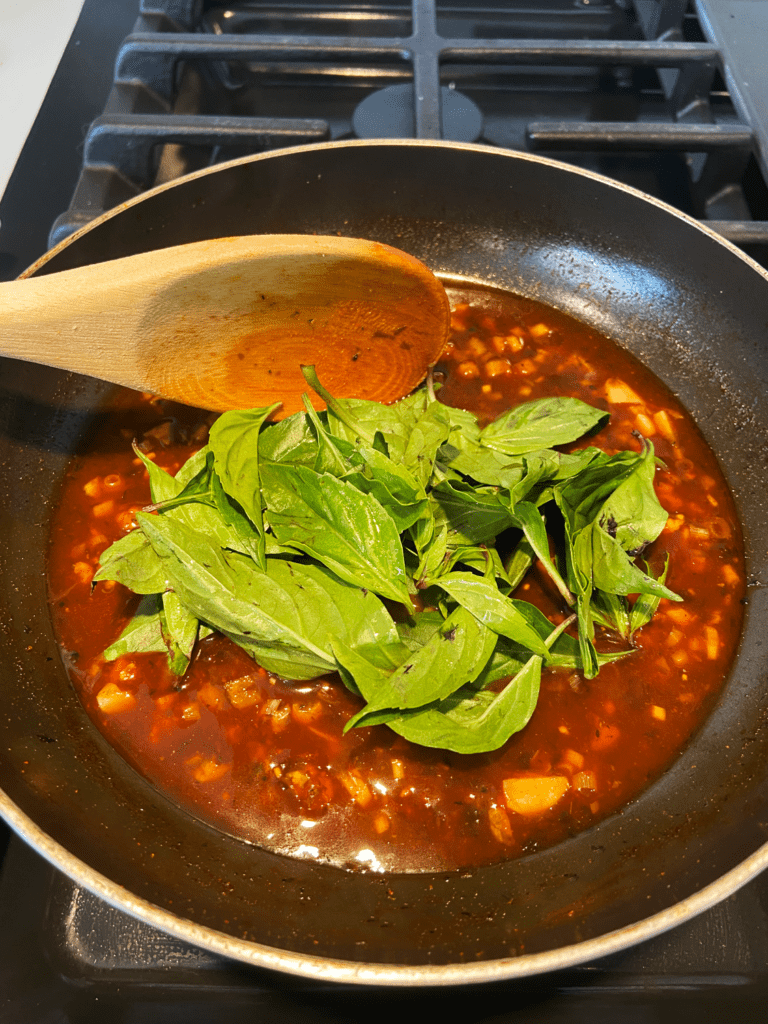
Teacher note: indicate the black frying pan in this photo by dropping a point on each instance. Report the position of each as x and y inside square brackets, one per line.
[690, 305]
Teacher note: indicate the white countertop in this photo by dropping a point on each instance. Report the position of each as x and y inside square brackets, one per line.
[33, 35]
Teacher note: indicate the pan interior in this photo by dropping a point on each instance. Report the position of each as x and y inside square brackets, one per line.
[689, 306]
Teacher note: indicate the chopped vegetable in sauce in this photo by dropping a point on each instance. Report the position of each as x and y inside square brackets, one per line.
[536, 573]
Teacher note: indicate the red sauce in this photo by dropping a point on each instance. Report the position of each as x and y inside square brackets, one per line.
[265, 759]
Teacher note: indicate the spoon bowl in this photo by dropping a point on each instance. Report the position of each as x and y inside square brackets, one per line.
[227, 323]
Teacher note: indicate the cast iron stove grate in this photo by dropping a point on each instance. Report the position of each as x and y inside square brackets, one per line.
[671, 100]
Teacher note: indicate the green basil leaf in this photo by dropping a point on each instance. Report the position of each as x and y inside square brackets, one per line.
[427, 435]
[581, 498]
[234, 442]
[180, 628]
[289, 440]
[632, 515]
[473, 721]
[480, 596]
[392, 485]
[132, 562]
[614, 572]
[334, 454]
[452, 656]
[288, 614]
[611, 612]
[143, 634]
[471, 515]
[542, 423]
[531, 521]
[332, 521]
[646, 605]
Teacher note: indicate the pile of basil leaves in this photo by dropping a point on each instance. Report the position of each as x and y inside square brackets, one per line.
[304, 541]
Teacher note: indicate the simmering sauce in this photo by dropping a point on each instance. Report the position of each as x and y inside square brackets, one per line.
[265, 759]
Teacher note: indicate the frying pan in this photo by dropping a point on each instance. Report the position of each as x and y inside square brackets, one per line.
[690, 305]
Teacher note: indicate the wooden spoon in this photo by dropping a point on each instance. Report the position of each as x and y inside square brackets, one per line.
[227, 323]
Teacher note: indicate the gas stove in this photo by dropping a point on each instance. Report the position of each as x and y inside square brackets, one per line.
[669, 97]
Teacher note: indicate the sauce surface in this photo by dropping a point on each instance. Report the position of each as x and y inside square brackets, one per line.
[265, 759]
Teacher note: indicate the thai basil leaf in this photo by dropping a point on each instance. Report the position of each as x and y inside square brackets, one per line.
[471, 515]
[532, 524]
[518, 562]
[334, 454]
[480, 596]
[543, 423]
[632, 515]
[180, 628]
[332, 521]
[646, 605]
[290, 440]
[581, 498]
[132, 561]
[611, 611]
[392, 485]
[482, 464]
[144, 632]
[453, 655]
[612, 569]
[234, 442]
[473, 721]
[286, 616]
[485, 560]
[429, 431]
[415, 634]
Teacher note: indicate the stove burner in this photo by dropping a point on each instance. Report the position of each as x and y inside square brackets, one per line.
[388, 114]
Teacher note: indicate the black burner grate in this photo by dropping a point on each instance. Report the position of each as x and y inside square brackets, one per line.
[635, 91]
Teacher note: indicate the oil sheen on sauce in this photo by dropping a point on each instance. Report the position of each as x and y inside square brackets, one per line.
[265, 759]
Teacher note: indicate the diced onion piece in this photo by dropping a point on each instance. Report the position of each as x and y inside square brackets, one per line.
[680, 615]
[645, 424]
[538, 330]
[83, 571]
[104, 508]
[534, 794]
[212, 696]
[712, 638]
[381, 822]
[356, 787]
[191, 713]
[501, 829]
[241, 693]
[112, 700]
[605, 736]
[664, 425]
[658, 712]
[280, 717]
[468, 369]
[729, 574]
[497, 367]
[209, 770]
[584, 780]
[304, 712]
[619, 393]
[573, 758]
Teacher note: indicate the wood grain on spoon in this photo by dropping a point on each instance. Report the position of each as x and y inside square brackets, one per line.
[227, 323]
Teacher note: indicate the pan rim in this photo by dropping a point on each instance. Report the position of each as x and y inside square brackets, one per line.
[403, 143]
[329, 969]
[364, 973]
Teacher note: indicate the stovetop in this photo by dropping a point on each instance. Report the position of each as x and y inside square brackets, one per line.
[68, 958]
[691, 133]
